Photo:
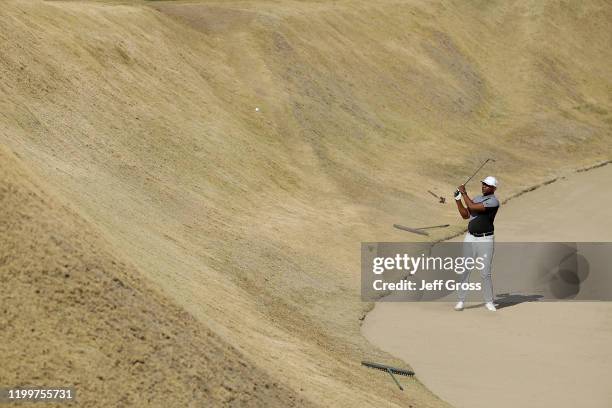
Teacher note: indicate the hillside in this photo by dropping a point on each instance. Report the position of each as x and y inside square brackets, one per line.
[75, 315]
[142, 117]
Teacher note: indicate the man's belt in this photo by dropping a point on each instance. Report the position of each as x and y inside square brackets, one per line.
[484, 234]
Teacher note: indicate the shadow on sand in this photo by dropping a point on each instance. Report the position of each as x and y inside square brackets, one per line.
[505, 299]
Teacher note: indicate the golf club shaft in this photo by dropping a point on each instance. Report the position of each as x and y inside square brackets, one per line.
[476, 172]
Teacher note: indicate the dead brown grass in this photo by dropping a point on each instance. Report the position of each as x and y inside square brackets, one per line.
[142, 116]
[73, 314]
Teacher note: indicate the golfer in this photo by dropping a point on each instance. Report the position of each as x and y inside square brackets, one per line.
[479, 239]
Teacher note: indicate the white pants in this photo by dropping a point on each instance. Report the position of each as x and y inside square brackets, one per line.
[475, 247]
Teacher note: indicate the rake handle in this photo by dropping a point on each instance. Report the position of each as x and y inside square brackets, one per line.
[395, 379]
[413, 230]
[434, 226]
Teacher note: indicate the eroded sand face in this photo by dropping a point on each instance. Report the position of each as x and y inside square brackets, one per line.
[530, 354]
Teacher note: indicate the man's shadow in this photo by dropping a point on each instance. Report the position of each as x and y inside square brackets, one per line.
[505, 300]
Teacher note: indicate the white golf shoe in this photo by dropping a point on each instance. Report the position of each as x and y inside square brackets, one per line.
[459, 306]
[490, 306]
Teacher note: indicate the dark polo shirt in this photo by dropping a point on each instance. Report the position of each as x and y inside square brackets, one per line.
[481, 223]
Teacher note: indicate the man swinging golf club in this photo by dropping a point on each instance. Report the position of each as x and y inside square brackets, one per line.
[479, 240]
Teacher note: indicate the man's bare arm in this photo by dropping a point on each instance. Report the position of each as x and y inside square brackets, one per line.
[465, 214]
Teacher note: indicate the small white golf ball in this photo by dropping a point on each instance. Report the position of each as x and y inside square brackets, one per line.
[256, 109]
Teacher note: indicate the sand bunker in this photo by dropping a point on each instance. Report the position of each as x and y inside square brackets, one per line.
[529, 354]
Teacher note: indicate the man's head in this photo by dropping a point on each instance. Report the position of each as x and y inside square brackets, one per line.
[489, 185]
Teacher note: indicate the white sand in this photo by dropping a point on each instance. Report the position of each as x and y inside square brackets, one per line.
[531, 354]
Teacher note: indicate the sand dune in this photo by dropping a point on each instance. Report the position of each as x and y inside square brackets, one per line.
[141, 116]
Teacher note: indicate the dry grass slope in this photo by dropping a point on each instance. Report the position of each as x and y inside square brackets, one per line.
[74, 314]
[142, 116]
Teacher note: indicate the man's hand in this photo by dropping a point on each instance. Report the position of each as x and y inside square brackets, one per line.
[471, 206]
[464, 212]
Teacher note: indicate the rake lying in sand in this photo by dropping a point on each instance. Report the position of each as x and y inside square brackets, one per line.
[419, 230]
[390, 370]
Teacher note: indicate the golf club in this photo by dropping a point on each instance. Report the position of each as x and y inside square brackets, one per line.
[476, 172]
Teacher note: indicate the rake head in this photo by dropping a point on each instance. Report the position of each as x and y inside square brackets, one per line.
[386, 368]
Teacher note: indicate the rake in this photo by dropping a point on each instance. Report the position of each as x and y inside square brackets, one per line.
[419, 230]
[390, 370]
[442, 200]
